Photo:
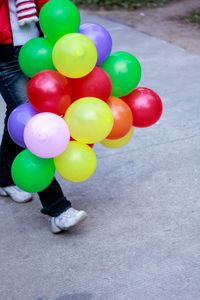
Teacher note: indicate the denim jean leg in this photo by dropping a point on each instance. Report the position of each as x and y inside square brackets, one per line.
[53, 200]
[13, 88]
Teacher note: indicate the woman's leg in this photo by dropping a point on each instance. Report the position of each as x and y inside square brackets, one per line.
[53, 200]
[13, 88]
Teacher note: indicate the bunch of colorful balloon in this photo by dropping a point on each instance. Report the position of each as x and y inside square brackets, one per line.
[79, 94]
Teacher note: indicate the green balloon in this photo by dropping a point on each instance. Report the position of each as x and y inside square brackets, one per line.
[32, 173]
[36, 56]
[58, 18]
[124, 71]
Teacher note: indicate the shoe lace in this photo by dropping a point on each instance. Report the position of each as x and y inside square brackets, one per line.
[68, 213]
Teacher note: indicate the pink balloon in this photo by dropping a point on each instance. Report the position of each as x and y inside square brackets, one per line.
[46, 135]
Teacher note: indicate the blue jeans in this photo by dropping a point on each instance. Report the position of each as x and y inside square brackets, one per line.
[13, 88]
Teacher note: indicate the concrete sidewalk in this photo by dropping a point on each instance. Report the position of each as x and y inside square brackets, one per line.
[142, 238]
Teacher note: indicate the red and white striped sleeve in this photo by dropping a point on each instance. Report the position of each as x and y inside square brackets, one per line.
[26, 11]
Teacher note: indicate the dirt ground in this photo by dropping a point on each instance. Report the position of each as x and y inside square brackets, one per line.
[167, 22]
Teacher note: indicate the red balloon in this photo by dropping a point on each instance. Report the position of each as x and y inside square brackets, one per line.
[123, 118]
[96, 84]
[145, 105]
[49, 91]
[91, 145]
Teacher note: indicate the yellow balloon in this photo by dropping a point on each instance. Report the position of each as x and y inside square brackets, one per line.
[74, 55]
[90, 120]
[119, 142]
[77, 163]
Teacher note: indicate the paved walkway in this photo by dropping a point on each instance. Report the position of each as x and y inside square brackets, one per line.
[142, 238]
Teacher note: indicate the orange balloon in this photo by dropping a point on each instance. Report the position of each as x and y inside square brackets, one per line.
[123, 118]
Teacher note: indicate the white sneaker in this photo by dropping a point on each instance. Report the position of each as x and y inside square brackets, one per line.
[3, 193]
[67, 219]
[15, 193]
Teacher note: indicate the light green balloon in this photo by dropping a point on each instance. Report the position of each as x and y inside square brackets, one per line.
[36, 56]
[77, 163]
[58, 18]
[32, 173]
[90, 120]
[124, 71]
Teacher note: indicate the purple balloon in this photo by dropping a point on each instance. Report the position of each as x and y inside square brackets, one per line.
[101, 39]
[17, 122]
